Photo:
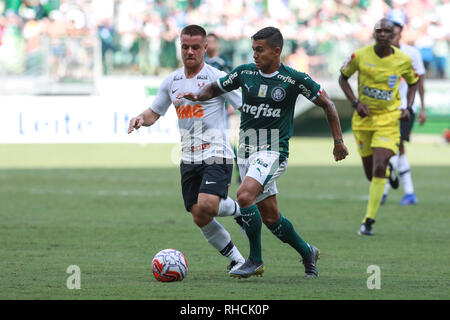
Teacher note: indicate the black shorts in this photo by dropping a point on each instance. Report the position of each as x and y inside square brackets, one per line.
[211, 178]
[406, 127]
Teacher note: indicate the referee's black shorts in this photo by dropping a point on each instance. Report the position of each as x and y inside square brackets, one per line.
[211, 177]
[406, 127]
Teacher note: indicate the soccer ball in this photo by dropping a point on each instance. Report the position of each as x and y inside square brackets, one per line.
[169, 265]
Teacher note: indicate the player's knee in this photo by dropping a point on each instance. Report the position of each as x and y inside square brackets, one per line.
[201, 220]
[245, 198]
[270, 215]
[379, 170]
[269, 221]
[207, 208]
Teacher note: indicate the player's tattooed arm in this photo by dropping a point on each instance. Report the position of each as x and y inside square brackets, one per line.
[340, 150]
[209, 91]
[329, 108]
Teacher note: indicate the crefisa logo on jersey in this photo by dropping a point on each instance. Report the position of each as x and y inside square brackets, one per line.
[392, 80]
[278, 94]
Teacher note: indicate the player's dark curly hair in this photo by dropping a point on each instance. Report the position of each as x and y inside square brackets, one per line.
[194, 30]
[272, 35]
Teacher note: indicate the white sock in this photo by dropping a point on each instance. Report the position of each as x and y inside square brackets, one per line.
[228, 207]
[394, 161]
[387, 187]
[238, 210]
[404, 171]
[219, 238]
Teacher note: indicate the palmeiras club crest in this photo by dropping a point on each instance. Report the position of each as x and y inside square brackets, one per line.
[278, 94]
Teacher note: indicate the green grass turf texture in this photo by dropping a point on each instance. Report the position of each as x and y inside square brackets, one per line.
[110, 208]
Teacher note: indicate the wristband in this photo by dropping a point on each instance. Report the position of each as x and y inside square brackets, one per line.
[337, 141]
[355, 104]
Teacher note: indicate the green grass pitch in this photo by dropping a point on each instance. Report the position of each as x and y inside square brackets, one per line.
[109, 208]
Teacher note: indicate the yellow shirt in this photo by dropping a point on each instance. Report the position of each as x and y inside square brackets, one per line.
[378, 83]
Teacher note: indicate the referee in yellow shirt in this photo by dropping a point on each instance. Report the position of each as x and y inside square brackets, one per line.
[375, 122]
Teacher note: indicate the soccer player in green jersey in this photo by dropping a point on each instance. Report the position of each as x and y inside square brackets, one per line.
[269, 93]
[213, 57]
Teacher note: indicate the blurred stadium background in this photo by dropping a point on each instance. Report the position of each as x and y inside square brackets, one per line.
[75, 71]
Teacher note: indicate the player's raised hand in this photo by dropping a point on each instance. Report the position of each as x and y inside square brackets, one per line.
[340, 151]
[135, 123]
[187, 95]
[362, 109]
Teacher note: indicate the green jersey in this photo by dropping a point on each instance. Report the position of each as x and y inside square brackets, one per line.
[219, 62]
[268, 103]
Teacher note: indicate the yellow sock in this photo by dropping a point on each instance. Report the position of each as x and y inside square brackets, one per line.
[375, 194]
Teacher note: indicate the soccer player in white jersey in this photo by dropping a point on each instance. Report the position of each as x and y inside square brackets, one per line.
[400, 162]
[269, 92]
[207, 158]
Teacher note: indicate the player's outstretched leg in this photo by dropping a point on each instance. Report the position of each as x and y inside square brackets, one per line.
[217, 236]
[254, 265]
[284, 230]
[405, 175]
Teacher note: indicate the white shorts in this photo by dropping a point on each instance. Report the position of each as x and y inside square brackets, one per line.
[264, 167]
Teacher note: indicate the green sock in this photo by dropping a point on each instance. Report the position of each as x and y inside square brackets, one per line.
[252, 225]
[284, 231]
